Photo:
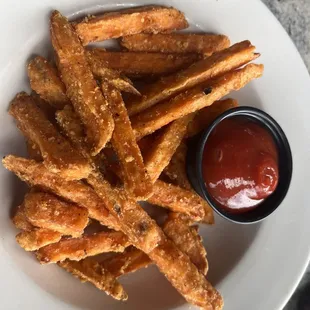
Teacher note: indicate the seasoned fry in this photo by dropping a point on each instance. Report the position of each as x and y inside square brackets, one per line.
[193, 100]
[188, 241]
[136, 179]
[80, 248]
[90, 271]
[163, 148]
[199, 72]
[150, 19]
[141, 230]
[81, 86]
[20, 220]
[47, 211]
[109, 75]
[77, 192]
[33, 151]
[185, 277]
[45, 81]
[180, 200]
[37, 238]
[129, 261]
[58, 154]
[206, 44]
[140, 64]
[208, 114]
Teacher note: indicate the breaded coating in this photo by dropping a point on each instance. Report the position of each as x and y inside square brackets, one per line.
[149, 19]
[20, 219]
[81, 87]
[205, 43]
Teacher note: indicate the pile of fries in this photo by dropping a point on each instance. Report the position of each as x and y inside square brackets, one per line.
[95, 152]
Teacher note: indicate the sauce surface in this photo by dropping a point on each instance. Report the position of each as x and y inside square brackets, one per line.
[240, 164]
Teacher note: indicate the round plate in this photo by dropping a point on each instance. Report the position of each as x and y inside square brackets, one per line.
[254, 266]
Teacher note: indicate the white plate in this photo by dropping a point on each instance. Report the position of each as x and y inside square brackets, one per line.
[254, 267]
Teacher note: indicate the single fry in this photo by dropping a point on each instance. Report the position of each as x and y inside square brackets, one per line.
[208, 114]
[135, 177]
[80, 248]
[193, 100]
[81, 86]
[90, 271]
[109, 75]
[58, 154]
[36, 174]
[199, 72]
[129, 261]
[185, 277]
[180, 200]
[141, 64]
[140, 228]
[47, 211]
[150, 19]
[206, 44]
[165, 145]
[37, 238]
[44, 80]
[20, 219]
[188, 241]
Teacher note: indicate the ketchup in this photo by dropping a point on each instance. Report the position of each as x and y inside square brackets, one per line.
[240, 164]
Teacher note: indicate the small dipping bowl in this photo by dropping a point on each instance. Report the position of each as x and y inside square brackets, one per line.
[194, 162]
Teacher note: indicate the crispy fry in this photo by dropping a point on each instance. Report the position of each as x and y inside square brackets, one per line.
[141, 230]
[180, 200]
[20, 219]
[139, 64]
[44, 80]
[58, 154]
[129, 261]
[163, 148]
[82, 247]
[33, 151]
[77, 192]
[37, 238]
[136, 179]
[207, 115]
[206, 44]
[199, 72]
[188, 241]
[81, 86]
[193, 100]
[150, 19]
[47, 211]
[90, 271]
[185, 277]
[109, 75]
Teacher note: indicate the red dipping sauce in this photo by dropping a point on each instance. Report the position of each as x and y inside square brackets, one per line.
[240, 164]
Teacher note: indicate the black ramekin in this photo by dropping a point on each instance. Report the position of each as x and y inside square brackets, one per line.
[195, 151]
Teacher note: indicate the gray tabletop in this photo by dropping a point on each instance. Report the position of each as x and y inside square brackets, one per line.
[295, 18]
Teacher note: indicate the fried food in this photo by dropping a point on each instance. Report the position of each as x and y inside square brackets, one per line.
[136, 180]
[141, 64]
[165, 145]
[140, 228]
[33, 151]
[180, 200]
[199, 72]
[58, 154]
[37, 238]
[82, 247]
[193, 100]
[20, 219]
[44, 80]
[91, 271]
[149, 19]
[188, 240]
[109, 75]
[77, 192]
[81, 86]
[206, 44]
[185, 277]
[129, 261]
[208, 114]
[47, 211]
